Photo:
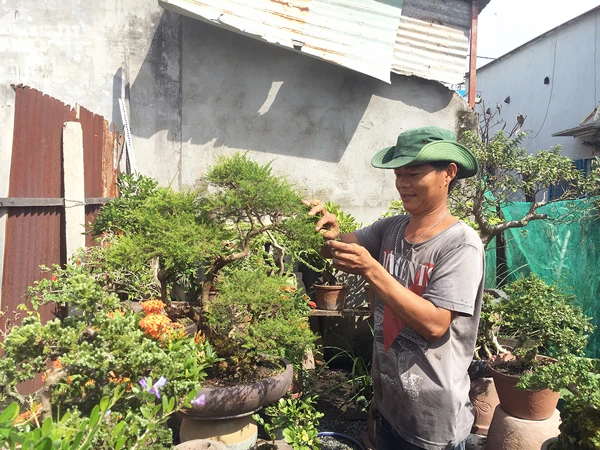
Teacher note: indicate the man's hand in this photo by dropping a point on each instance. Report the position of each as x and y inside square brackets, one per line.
[351, 258]
[327, 225]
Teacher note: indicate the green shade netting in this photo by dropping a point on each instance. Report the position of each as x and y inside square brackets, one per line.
[565, 253]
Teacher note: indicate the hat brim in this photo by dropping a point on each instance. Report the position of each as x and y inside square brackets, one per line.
[432, 152]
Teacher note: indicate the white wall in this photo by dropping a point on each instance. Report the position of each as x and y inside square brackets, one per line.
[197, 91]
[569, 57]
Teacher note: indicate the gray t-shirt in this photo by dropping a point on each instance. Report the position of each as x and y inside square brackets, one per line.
[422, 388]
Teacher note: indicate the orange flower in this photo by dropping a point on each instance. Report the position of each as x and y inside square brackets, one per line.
[199, 337]
[155, 325]
[57, 364]
[24, 416]
[117, 380]
[153, 306]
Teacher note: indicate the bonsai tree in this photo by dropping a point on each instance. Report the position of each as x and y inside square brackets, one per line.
[507, 173]
[541, 319]
[235, 232]
[191, 236]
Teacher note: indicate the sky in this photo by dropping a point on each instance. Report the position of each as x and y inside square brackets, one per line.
[507, 24]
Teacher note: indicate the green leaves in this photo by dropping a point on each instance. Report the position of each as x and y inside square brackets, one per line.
[297, 419]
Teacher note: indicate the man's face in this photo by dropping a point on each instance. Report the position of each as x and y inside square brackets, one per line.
[422, 188]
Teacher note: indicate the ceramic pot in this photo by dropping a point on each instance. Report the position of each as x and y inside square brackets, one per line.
[222, 402]
[484, 398]
[330, 298]
[201, 444]
[523, 404]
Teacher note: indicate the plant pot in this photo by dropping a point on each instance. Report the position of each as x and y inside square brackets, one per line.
[523, 404]
[485, 399]
[330, 298]
[549, 443]
[201, 444]
[222, 402]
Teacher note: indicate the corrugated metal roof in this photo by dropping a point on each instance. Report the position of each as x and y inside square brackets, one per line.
[358, 34]
[425, 38]
[425, 52]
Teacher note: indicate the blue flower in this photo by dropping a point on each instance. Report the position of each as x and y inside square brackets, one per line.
[155, 389]
[199, 401]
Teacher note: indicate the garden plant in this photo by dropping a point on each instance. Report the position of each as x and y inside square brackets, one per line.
[238, 235]
[542, 319]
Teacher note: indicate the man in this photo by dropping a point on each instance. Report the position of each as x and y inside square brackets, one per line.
[427, 271]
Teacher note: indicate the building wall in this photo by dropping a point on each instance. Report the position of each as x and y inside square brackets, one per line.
[197, 91]
[568, 56]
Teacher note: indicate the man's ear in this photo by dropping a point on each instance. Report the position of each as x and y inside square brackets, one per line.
[452, 171]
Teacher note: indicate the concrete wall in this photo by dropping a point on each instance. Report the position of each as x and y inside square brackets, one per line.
[568, 57]
[197, 91]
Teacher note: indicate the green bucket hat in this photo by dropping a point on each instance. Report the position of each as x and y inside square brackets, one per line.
[423, 146]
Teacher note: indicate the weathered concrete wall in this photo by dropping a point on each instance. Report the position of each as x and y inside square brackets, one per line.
[86, 52]
[320, 123]
[197, 91]
[567, 57]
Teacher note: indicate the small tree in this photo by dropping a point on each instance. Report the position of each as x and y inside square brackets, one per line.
[507, 173]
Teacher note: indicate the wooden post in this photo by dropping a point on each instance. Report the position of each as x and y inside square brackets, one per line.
[74, 186]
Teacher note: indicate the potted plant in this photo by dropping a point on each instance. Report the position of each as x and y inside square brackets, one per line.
[294, 420]
[547, 330]
[99, 359]
[329, 289]
[580, 415]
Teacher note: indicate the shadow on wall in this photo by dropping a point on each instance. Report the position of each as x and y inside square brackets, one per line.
[242, 93]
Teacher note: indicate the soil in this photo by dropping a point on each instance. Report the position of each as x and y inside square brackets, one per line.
[224, 375]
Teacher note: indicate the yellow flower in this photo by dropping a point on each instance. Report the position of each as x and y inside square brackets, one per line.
[304, 436]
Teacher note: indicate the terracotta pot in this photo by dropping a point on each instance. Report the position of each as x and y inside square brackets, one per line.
[523, 404]
[330, 298]
[484, 398]
[222, 402]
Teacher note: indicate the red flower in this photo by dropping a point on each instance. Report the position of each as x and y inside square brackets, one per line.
[313, 305]
[54, 278]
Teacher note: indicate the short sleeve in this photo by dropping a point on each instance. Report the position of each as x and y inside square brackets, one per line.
[456, 279]
[371, 237]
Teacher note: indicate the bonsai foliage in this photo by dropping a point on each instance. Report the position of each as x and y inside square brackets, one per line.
[189, 237]
[251, 202]
[89, 355]
[311, 256]
[543, 321]
[487, 343]
[507, 173]
[254, 315]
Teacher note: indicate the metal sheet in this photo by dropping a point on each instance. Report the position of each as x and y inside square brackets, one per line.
[33, 235]
[358, 34]
[433, 40]
[430, 51]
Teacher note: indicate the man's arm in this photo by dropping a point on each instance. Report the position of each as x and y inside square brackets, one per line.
[421, 315]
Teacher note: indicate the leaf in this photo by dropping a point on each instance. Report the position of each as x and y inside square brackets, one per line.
[104, 404]
[10, 414]
[94, 416]
[47, 426]
[118, 430]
